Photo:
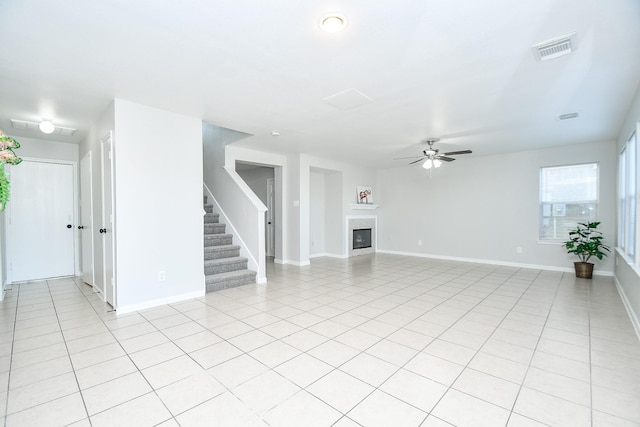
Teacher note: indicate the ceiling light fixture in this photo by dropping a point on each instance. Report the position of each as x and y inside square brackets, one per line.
[46, 126]
[431, 163]
[333, 23]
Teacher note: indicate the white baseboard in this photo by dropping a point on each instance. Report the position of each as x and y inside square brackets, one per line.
[330, 255]
[494, 262]
[122, 309]
[261, 280]
[296, 263]
[627, 305]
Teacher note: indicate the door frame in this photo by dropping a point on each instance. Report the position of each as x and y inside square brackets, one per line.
[75, 210]
[88, 204]
[108, 220]
[270, 227]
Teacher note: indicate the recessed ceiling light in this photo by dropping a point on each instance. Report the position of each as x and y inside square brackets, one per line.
[46, 126]
[333, 23]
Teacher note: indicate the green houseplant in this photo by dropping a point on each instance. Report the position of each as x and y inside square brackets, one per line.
[7, 156]
[585, 241]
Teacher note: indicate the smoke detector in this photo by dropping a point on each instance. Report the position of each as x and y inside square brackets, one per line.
[555, 47]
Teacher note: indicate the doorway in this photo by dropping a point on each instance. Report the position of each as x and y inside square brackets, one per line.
[86, 220]
[105, 232]
[40, 220]
[266, 182]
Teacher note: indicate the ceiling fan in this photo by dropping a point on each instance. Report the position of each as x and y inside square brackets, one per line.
[432, 155]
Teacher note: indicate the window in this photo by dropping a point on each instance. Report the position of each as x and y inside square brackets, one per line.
[568, 195]
[627, 180]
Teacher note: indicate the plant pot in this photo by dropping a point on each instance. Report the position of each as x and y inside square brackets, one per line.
[584, 270]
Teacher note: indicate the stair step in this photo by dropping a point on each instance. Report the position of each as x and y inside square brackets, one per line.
[217, 239]
[218, 282]
[214, 228]
[224, 265]
[208, 208]
[210, 218]
[221, 251]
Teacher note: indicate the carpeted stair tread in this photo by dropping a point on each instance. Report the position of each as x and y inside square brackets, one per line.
[221, 248]
[212, 278]
[224, 268]
[214, 228]
[229, 260]
[217, 239]
[211, 218]
[232, 279]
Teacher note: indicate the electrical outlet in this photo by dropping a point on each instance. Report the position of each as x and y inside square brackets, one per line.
[419, 242]
[519, 249]
[162, 276]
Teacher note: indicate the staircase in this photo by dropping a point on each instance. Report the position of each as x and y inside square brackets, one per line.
[224, 268]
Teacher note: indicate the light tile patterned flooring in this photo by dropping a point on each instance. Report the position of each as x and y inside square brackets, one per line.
[377, 340]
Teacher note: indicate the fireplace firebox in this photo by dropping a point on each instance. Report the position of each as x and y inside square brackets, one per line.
[362, 238]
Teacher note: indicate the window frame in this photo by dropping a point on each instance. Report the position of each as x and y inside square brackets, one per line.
[559, 240]
[627, 198]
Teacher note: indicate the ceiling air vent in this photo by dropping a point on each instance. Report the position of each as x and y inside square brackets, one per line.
[568, 116]
[23, 124]
[555, 48]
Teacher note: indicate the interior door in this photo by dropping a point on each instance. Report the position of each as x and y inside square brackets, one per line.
[106, 229]
[270, 227]
[40, 226]
[86, 220]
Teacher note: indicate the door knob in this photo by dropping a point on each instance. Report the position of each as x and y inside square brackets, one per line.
[81, 227]
[69, 226]
[103, 230]
[269, 222]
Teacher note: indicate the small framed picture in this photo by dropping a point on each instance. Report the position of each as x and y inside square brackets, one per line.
[365, 196]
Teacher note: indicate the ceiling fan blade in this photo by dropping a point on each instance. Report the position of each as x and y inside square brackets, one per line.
[407, 158]
[416, 161]
[454, 153]
[444, 158]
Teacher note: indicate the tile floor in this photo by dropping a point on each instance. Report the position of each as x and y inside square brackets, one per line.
[377, 340]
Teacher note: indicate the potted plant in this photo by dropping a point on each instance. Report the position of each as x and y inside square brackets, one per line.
[586, 241]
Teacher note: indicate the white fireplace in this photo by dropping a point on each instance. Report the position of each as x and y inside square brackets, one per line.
[361, 234]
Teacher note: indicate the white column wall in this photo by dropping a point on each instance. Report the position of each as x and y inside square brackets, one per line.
[158, 188]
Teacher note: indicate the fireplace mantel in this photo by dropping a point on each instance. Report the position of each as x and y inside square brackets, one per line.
[363, 206]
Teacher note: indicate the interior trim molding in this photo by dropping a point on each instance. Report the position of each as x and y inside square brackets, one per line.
[627, 305]
[494, 262]
[123, 309]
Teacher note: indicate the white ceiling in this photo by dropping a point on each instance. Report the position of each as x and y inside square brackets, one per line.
[459, 70]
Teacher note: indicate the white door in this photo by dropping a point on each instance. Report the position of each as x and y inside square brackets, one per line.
[270, 226]
[40, 225]
[86, 220]
[106, 229]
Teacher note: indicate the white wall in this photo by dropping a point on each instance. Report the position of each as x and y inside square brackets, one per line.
[483, 208]
[43, 149]
[158, 187]
[317, 212]
[626, 274]
[256, 178]
[334, 214]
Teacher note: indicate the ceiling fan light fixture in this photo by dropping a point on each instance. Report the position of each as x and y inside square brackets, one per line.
[46, 127]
